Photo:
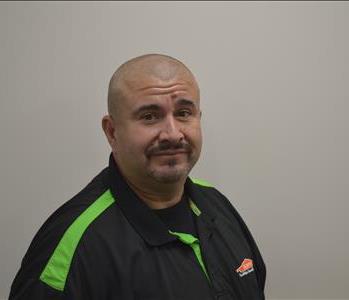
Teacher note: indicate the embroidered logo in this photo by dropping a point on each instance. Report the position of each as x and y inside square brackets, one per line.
[245, 268]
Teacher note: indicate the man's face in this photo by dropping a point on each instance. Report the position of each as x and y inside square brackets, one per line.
[157, 129]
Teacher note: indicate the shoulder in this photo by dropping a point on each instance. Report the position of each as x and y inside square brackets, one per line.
[50, 253]
[217, 204]
[69, 215]
[214, 200]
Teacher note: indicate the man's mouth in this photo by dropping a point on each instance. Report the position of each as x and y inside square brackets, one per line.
[169, 153]
[168, 149]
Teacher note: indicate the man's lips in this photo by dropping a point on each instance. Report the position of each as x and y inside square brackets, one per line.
[169, 153]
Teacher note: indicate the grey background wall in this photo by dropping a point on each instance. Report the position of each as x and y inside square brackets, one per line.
[274, 80]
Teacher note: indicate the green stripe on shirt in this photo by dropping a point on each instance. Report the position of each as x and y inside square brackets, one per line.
[56, 270]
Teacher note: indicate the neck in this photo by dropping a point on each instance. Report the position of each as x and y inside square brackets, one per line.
[165, 195]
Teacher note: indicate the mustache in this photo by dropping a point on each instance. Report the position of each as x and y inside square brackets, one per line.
[168, 145]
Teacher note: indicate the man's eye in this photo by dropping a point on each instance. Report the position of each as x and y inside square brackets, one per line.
[149, 116]
[184, 113]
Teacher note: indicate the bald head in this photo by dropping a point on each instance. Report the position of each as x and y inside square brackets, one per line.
[130, 74]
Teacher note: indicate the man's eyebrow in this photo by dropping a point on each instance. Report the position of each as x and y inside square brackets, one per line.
[185, 102]
[146, 107]
[156, 107]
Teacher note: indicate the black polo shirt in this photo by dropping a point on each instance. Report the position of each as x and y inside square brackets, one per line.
[179, 218]
[105, 243]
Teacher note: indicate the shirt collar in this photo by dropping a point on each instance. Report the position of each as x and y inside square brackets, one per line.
[142, 218]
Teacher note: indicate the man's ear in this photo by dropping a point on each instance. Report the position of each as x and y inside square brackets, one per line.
[109, 129]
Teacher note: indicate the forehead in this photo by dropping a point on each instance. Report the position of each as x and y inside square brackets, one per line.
[148, 88]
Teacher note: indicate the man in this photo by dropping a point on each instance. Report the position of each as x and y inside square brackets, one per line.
[142, 229]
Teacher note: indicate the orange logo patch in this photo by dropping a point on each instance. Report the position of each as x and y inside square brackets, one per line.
[246, 267]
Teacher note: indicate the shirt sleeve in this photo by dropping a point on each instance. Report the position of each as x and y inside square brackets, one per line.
[33, 289]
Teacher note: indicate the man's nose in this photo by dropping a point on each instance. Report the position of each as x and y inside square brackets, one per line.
[171, 130]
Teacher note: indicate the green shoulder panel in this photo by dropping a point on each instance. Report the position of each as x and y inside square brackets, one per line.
[56, 270]
[201, 182]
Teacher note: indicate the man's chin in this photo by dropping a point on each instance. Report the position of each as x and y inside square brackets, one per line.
[171, 175]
